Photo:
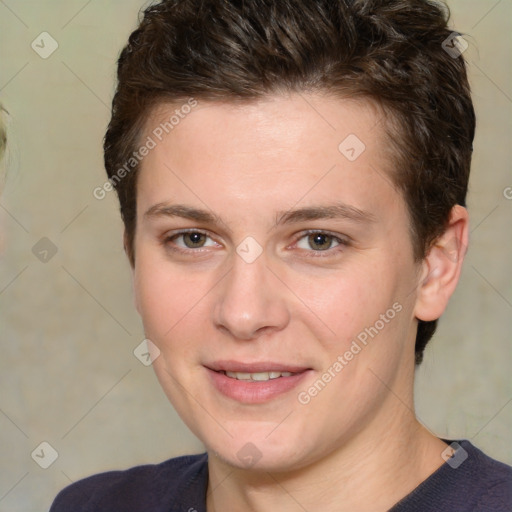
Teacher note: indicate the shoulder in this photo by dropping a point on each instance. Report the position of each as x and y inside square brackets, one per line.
[492, 480]
[150, 487]
[469, 481]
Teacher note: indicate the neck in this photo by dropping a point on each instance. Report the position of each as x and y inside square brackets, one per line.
[372, 472]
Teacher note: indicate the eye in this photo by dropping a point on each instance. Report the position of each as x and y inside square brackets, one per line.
[319, 241]
[186, 240]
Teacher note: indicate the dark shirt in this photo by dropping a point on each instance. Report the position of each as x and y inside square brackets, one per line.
[468, 482]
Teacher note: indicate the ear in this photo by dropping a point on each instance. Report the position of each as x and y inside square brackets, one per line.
[129, 253]
[128, 249]
[442, 266]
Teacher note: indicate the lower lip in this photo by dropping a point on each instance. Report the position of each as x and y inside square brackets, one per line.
[254, 392]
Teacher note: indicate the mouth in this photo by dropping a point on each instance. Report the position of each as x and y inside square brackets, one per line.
[254, 382]
[258, 376]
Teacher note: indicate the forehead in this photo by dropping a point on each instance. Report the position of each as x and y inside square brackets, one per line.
[280, 150]
[304, 115]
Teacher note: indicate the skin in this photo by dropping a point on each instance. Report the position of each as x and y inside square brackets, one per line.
[356, 446]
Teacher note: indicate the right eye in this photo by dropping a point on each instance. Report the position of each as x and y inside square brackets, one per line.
[189, 240]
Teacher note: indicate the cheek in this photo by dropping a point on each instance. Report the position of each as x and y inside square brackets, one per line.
[152, 298]
[345, 302]
[172, 303]
[160, 296]
[363, 313]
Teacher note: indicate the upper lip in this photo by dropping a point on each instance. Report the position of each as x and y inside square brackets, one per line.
[256, 367]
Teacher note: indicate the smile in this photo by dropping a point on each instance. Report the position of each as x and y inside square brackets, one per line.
[254, 383]
[259, 376]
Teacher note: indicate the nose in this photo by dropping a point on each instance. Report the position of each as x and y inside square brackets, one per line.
[251, 301]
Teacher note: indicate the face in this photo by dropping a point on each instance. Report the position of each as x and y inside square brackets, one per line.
[274, 272]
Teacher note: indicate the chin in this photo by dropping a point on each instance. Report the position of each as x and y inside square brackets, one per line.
[256, 450]
[248, 456]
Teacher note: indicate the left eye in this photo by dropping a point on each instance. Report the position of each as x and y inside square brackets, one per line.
[318, 242]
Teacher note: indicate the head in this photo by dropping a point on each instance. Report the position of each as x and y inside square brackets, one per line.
[262, 94]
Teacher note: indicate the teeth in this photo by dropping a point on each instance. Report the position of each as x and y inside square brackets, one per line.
[260, 376]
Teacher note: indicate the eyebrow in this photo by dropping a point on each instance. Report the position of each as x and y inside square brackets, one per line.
[333, 211]
[183, 211]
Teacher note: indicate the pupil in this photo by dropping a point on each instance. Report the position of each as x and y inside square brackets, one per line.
[194, 239]
[320, 241]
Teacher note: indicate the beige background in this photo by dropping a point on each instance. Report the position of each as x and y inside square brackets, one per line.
[68, 327]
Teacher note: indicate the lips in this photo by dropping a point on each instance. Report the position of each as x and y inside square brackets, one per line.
[254, 382]
[256, 367]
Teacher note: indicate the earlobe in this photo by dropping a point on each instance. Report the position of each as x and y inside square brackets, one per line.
[442, 266]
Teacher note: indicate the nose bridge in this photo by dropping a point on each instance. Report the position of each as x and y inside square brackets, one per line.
[246, 304]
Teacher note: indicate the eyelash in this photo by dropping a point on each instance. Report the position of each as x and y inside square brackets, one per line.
[342, 242]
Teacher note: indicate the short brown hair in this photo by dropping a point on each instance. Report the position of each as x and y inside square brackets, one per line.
[393, 52]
